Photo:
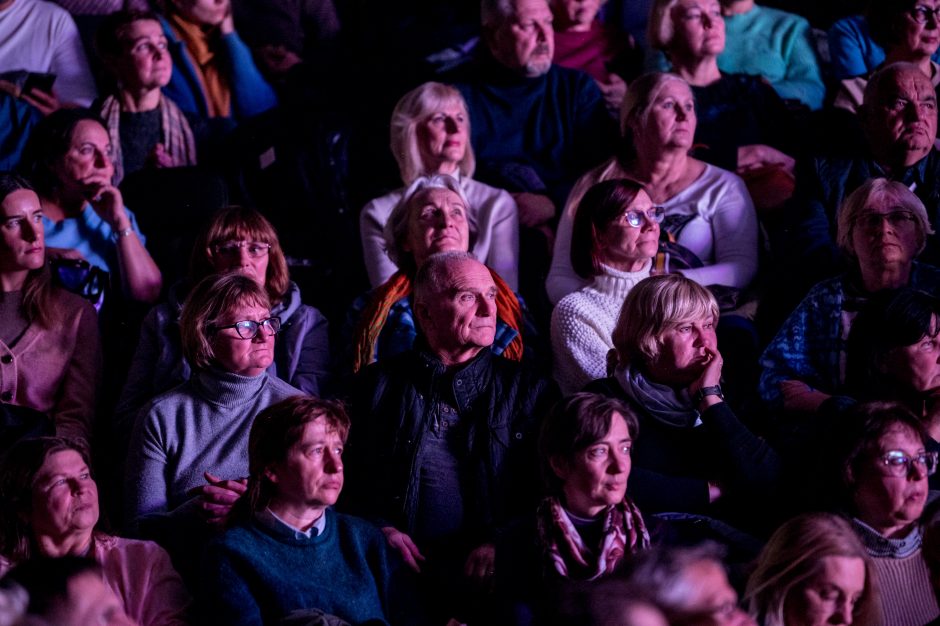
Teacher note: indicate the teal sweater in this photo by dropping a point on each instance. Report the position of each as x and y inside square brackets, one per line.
[256, 575]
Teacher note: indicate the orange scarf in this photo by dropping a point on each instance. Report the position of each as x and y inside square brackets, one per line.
[209, 71]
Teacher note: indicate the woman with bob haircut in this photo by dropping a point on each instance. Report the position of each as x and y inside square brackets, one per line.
[240, 240]
[430, 135]
[707, 209]
[188, 450]
[881, 229]
[695, 455]
[814, 570]
[50, 354]
[50, 509]
[287, 549]
[614, 241]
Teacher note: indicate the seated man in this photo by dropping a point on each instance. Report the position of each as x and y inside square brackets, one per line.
[536, 126]
[443, 449]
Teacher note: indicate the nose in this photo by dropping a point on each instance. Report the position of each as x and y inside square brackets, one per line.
[842, 613]
[541, 32]
[450, 125]
[29, 231]
[487, 307]
[681, 113]
[332, 462]
[619, 464]
[102, 159]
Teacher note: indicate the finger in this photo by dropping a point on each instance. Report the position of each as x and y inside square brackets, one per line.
[220, 496]
[408, 558]
[210, 477]
[406, 540]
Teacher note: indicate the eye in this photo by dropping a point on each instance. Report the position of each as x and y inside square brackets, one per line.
[930, 105]
[467, 297]
[667, 104]
[85, 476]
[685, 328]
[597, 452]
[708, 325]
[13, 224]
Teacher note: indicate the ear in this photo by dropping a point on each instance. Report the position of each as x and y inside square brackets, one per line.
[271, 475]
[422, 313]
[560, 466]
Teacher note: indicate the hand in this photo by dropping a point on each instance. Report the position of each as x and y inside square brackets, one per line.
[405, 546]
[613, 93]
[800, 397]
[534, 208]
[481, 564]
[45, 101]
[160, 158]
[107, 202]
[63, 253]
[277, 59]
[710, 376]
[758, 155]
[217, 498]
[714, 492]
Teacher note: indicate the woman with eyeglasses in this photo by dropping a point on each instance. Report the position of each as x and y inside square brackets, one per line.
[238, 240]
[884, 469]
[614, 240]
[188, 455]
[881, 229]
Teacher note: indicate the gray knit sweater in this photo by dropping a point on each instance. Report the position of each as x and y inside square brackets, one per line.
[201, 425]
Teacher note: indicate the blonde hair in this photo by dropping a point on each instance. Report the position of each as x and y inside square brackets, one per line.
[413, 108]
[651, 308]
[637, 103]
[878, 191]
[794, 555]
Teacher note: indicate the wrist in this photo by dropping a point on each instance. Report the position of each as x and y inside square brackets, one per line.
[122, 233]
[708, 395]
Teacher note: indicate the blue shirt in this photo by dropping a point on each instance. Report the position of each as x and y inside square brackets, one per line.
[90, 235]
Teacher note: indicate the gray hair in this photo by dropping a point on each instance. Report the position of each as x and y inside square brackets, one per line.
[495, 12]
[661, 574]
[877, 191]
[396, 229]
[434, 274]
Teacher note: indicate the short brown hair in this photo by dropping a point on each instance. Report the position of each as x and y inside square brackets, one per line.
[601, 206]
[109, 38]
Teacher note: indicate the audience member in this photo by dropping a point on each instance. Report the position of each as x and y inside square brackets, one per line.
[614, 239]
[69, 161]
[775, 45]
[695, 455]
[814, 570]
[50, 509]
[430, 135]
[50, 357]
[882, 228]
[708, 210]
[288, 549]
[236, 240]
[443, 454]
[146, 128]
[852, 49]
[884, 469]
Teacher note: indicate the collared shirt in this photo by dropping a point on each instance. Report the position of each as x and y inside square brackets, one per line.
[270, 520]
[878, 545]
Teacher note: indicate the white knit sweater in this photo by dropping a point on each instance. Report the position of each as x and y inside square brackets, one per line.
[582, 323]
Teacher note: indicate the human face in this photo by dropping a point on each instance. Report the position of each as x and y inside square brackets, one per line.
[686, 348]
[21, 233]
[902, 122]
[670, 121]
[626, 247]
[888, 503]
[575, 15]
[145, 64]
[525, 42]
[918, 40]
[699, 29]
[917, 366]
[461, 320]
[311, 476]
[242, 256]
[204, 12]
[830, 595]
[65, 498]
[878, 243]
[86, 165]
[442, 138]
[437, 223]
[246, 357]
[90, 602]
[597, 475]
[713, 601]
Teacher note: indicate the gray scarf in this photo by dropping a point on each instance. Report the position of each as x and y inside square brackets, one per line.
[662, 402]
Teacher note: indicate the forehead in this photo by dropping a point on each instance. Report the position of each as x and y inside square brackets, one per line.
[531, 9]
[317, 429]
[140, 28]
[89, 131]
[688, 5]
[445, 104]
[61, 461]
[908, 84]
[247, 310]
[673, 89]
[19, 201]
[469, 275]
[435, 196]
[845, 570]
[900, 437]
[710, 583]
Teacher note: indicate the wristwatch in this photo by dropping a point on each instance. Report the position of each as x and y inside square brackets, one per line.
[708, 391]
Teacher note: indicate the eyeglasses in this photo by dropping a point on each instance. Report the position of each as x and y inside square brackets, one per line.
[231, 248]
[922, 14]
[897, 219]
[249, 329]
[635, 218]
[900, 463]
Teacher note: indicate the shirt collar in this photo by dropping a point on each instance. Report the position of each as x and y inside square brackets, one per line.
[270, 520]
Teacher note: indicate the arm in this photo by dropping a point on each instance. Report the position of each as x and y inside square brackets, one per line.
[847, 48]
[74, 82]
[145, 482]
[562, 279]
[803, 79]
[139, 386]
[140, 276]
[503, 223]
[579, 348]
[313, 363]
[251, 93]
[75, 408]
[750, 464]
[372, 221]
[165, 600]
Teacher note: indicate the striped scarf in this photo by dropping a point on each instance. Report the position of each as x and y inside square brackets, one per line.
[176, 136]
[399, 286]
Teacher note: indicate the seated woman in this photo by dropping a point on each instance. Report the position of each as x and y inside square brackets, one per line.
[852, 48]
[708, 210]
[237, 240]
[188, 450]
[146, 128]
[50, 357]
[813, 570]
[430, 217]
[695, 456]
[881, 228]
[743, 123]
[287, 549]
[68, 159]
[50, 508]
[430, 135]
[884, 470]
[614, 240]
[907, 31]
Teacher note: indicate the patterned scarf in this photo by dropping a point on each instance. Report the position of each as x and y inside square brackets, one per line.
[175, 133]
[624, 530]
[399, 286]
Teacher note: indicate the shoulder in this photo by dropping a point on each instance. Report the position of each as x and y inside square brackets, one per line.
[135, 551]
[606, 387]
[781, 19]
[721, 179]
[280, 389]
[68, 304]
[357, 526]
[573, 308]
[479, 193]
[381, 208]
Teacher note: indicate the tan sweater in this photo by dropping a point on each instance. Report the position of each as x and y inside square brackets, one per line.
[906, 595]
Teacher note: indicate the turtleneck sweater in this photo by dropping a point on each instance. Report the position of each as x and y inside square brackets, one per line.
[582, 324]
[201, 425]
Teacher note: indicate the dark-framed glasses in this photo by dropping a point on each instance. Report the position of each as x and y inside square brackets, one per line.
[871, 220]
[634, 218]
[255, 249]
[900, 463]
[923, 14]
[249, 329]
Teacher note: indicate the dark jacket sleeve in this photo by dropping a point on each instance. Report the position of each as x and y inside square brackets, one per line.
[748, 463]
